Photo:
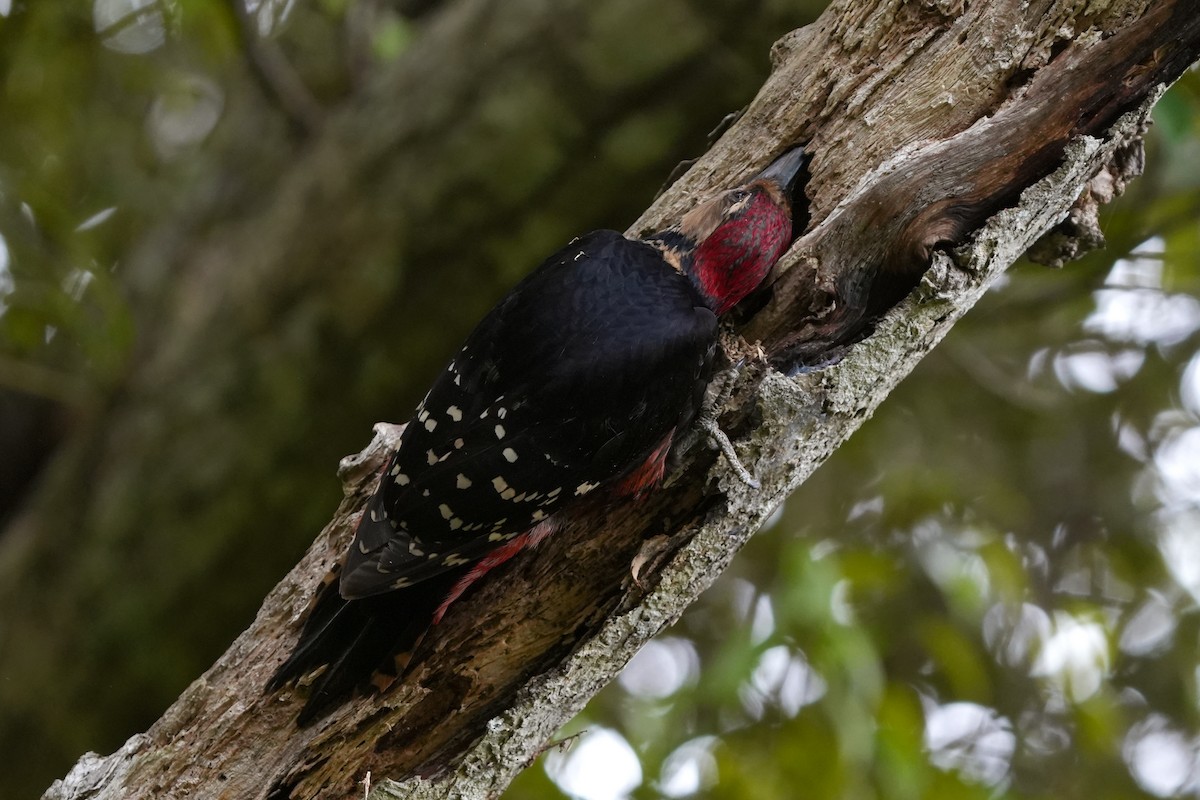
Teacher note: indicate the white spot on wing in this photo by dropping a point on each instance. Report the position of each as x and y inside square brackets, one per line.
[500, 484]
[400, 583]
[501, 412]
[499, 431]
[453, 560]
[430, 424]
[508, 494]
[463, 482]
[455, 523]
[431, 457]
[446, 512]
[509, 454]
[401, 479]
[538, 515]
[458, 443]
[455, 413]
[585, 487]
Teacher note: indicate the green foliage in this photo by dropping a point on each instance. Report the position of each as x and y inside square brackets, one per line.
[94, 158]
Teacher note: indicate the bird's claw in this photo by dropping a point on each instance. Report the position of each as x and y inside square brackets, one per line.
[719, 441]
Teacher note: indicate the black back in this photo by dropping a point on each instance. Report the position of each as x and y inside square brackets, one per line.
[568, 384]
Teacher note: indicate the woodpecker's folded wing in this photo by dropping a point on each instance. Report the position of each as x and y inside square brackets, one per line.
[570, 382]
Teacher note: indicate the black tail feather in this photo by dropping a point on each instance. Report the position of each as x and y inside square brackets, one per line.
[356, 639]
[329, 628]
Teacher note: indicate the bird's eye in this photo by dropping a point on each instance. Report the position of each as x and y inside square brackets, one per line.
[737, 200]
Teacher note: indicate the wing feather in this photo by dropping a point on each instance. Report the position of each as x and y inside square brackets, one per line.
[569, 383]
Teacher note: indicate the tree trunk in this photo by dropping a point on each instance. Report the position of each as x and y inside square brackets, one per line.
[946, 139]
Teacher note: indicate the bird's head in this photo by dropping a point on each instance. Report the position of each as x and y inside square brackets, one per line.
[728, 244]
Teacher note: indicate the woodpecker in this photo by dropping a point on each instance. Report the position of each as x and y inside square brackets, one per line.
[578, 382]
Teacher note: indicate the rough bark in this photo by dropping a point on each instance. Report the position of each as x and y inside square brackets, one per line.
[943, 133]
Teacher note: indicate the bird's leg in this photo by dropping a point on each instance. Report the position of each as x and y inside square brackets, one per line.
[719, 441]
[531, 538]
[715, 397]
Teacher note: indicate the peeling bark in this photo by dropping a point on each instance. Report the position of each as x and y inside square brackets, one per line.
[943, 134]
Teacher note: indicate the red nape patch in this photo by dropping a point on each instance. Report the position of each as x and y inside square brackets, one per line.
[649, 473]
